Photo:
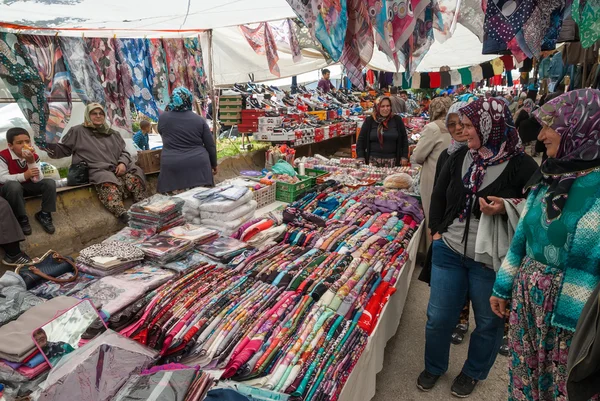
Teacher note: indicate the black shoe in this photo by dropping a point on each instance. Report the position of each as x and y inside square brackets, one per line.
[124, 218]
[504, 347]
[463, 386]
[45, 220]
[19, 259]
[426, 381]
[25, 226]
[458, 335]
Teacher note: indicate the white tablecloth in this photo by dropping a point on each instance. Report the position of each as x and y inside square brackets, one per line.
[361, 383]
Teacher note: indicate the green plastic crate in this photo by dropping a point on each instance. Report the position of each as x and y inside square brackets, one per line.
[285, 192]
[313, 174]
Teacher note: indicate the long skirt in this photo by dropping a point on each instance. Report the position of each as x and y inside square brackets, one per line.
[538, 350]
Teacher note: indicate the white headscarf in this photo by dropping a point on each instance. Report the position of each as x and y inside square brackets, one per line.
[454, 145]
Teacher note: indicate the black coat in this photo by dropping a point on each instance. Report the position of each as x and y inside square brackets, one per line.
[363, 143]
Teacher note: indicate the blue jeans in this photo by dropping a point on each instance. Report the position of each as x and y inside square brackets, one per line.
[452, 277]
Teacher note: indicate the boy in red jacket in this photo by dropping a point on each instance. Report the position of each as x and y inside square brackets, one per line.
[17, 180]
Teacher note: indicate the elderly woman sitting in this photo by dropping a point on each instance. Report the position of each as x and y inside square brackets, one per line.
[111, 168]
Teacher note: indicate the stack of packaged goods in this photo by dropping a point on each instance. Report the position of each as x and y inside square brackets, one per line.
[223, 249]
[226, 208]
[109, 258]
[158, 213]
[190, 232]
[162, 249]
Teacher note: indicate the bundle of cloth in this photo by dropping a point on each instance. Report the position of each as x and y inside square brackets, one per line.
[109, 258]
[158, 213]
[261, 231]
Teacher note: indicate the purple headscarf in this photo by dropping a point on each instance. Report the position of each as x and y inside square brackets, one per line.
[575, 116]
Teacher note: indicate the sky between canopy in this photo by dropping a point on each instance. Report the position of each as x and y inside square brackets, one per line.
[234, 59]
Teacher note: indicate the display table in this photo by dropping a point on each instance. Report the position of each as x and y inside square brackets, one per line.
[362, 381]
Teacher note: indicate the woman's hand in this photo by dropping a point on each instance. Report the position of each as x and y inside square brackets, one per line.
[437, 236]
[214, 170]
[499, 306]
[494, 207]
[120, 170]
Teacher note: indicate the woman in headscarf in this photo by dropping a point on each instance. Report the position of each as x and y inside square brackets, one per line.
[435, 138]
[553, 264]
[189, 155]
[382, 141]
[111, 168]
[476, 179]
[524, 113]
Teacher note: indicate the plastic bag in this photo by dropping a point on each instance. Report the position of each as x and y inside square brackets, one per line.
[49, 171]
[283, 167]
[398, 181]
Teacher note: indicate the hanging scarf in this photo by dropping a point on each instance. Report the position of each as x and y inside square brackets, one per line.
[263, 43]
[414, 50]
[83, 72]
[500, 142]
[575, 116]
[160, 88]
[438, 108]
[136, 56]
[100, 129]
[49, 61]
[359, 45]
[196, 65]
[381, 120]
[586, 13]
[446, 15]
[116, 79]
[181, 100]
[177, 58]
[24, 83]
[454, 109]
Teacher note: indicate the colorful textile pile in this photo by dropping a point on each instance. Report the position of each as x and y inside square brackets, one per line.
[109, 258]
[159, 213]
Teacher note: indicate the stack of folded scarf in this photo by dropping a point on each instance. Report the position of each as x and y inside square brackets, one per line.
[261, 231]
[158, 212]
[226, 208]
[109, 258]
[190, 232]
[163, 249]
[191, 206]
[223, 249]
[131, 235]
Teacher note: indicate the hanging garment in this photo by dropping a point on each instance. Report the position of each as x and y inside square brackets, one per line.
[284, 33]
[414, 50]
[416, 80]
[553, 32]
[465, 76]
[472, 17]
[435, 80]
[498, 66]
[446, 80]
[24, 83]
[196, 66]
[49, 61]
[539, 25]
[487, 70]
[445, 19]
[476, 73]
[455, 78]
[331, 26]
[425, 80]
[262, 42]
[136, 56]
[307, 41]
[508, 61]
[160, 87]
[359, 44]
[406, 80]
[586, 13]
[176, 56]
[83, 72]
[116, 79]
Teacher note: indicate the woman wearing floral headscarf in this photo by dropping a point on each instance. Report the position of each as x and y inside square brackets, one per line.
[382, 140]
[435, 138]
[553, 264]
[189, 155]
[111, 168]
[475, 179]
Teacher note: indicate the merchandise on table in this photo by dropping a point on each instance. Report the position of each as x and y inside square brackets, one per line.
[223, 248]
[193, 233]
[164, 249]
[109, 258]
[159, 212]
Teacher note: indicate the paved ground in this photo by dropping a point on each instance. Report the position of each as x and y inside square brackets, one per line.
[404, 359]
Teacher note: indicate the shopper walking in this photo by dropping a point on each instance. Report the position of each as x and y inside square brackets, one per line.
[473, 181]
[382, 141]
[553, 264]
[189, 155]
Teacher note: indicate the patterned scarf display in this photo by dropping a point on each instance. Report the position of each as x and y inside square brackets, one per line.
[284, 33]
[48, 59]
[83, 72]
[177, 59]
[446, 16]
[116, 79]
[136, 56]
[576, 117]
[24, 83]
[415, 49]
[586, 13]
[160, 89]
[500, 142]
[381, 120]
[360, 42]
[263, 43]
[196, 66]
[307, 41]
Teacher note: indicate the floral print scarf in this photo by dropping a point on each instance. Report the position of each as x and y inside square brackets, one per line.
[262, 41]
[500, 142]
[83, 72]
[576, 117]
[24, 83]
[586, 13]
[359, 45]
[160, 88]
[196, 65]
[177, 58]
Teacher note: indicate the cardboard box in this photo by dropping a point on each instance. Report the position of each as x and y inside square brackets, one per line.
[149, 160]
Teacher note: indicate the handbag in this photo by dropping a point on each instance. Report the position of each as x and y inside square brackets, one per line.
[48, 267]
[78, 174]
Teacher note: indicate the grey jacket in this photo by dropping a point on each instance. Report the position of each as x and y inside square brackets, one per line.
[583, 364]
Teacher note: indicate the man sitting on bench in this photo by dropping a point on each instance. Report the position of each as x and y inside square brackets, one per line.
[17, 180]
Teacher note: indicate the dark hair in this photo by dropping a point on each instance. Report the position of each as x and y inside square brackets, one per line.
[325, 71]
[13, 132]
[403, 92]
[394, 90]
[145, 124]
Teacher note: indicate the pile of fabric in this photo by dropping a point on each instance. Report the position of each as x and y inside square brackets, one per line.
[157, 213]
[261, 231]
[109, 258]
[193, 233]
[223, 249]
